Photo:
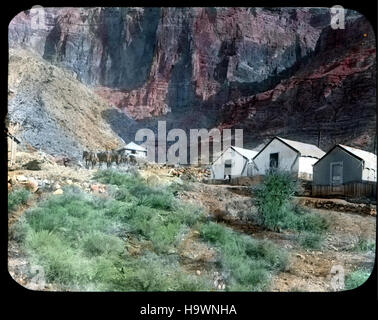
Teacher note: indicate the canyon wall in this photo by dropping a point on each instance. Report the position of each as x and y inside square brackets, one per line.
[264, 69]
[330, 99]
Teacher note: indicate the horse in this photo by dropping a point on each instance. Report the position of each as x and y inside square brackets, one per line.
[104, 157]
[124, 159]
[86, 157]
[93, 159]
[132, 160]
[115, 157]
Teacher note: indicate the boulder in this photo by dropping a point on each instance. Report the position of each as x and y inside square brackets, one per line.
[56, 186]
[97, 188]
[31, 185]
[32, 165]
[12, 180]
[21, 178]
[58, 192]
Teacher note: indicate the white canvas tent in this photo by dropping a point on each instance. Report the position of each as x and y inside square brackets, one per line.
[233, 162]
[369, 172]
[135, 149]
[288, 155]
[343, 164]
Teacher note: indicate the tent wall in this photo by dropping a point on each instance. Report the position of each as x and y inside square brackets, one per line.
[238, 165]
[288, 159]
[137, 153]
[306, 167]
[369, 175]
[352, 167]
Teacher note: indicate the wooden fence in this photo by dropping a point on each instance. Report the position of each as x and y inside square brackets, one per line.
[352, 189]
[306, 188]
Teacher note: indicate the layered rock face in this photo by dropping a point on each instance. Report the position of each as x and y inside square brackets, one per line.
[330, 99]
[215, 66]
[151, 60]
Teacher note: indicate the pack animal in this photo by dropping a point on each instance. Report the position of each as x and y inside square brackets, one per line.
[86, 157]
[104, 157]
[132, 160]
[115, 157]
[124, 159]
[93, 159]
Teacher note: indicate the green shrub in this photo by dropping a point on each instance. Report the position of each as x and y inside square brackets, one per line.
[79, 238]
[111, 176]
[356, 278]
[307, 221]
[189, 214]
[214, 233]
[131, 187]
[74, 215]
[17, 198]
[164, 201]
[310, 240]
[43, 238]
[62, 264]
[364, 245]
[273, 197]
[176, 187]
[97, 243]
[18, 230]
[313, 222]
[75, 255]
[155, 273]
[123, 194]
[269, 252]
[158, 226]
[276, 211]
[249, 261]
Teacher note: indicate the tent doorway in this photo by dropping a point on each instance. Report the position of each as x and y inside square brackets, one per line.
[336, 177]
[227, 167]
[273, 161]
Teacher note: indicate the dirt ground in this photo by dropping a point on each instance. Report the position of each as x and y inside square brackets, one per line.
[311, 270]
[308, 270]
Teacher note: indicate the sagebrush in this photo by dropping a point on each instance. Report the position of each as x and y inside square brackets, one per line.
[278, 211]
[82, 240]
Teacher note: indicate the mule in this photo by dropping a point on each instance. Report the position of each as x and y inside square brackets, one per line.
[132, 160]
[104, 157]
[86, 157]
[93, 159]
[115, 157]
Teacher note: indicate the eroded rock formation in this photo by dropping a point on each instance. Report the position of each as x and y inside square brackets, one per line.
[271, 71]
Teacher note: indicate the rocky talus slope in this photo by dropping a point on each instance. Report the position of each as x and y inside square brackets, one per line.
[57, 113]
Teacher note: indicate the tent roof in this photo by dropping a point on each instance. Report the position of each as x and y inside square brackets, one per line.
[369, 158]
[305, 149]
[247, 153]
[133, 146]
